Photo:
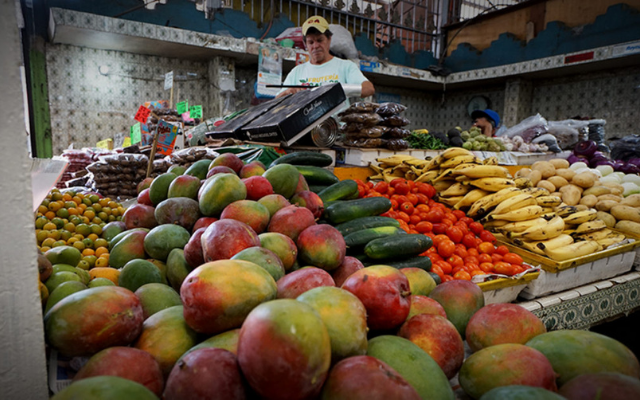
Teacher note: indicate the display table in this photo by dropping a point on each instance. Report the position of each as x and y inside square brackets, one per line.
[589, 305]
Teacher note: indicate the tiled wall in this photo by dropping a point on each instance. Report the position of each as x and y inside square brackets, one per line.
[87, 107]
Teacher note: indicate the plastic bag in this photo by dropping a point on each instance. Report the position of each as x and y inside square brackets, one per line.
[366, 119]
[549, 140]
[360, 107]
[395, 120]
[626, 148]
[567, 132]
[373, 132]
[529, 128]
[397, 144]
[596, 133]
[342, 43]
[398, 133]
[365, 143]
[388, 109]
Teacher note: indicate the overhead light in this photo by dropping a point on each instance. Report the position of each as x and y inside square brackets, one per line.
[104, 70]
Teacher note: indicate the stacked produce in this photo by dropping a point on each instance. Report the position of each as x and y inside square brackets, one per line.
[375, 125]
[78, 161]
[187, 157]
[423, 139]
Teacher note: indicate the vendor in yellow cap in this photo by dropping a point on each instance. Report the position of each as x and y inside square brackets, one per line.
[322, 67]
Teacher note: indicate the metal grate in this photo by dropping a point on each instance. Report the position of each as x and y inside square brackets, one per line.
[462, 10]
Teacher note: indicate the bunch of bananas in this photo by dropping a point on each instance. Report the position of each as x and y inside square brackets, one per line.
[537, 221]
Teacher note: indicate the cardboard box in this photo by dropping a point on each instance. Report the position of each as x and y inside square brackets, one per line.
[233, 127]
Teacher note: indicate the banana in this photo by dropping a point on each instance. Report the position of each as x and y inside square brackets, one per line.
[573, 250]
[486, 203]
[490, 161]
[515, 202]
[410, 175]
[521, 226]
[462, 178]
[483, 171]
[495, 224]
[595, 235]
[531, 246]
[377, 169]
[520, 214]
[523, 182]
[460, 160]
[591, 226]
[538, 246]
[564, 211]
[549, 201]
[427, 176]
[581, 217]
[536, 191]
[470, 198]
[455, 151]
[548, 215]
[611, 240]
[416, 162]
[457, 189]
[450, 201]
[548, 230]
[493, 184]
[394, 160]
[443, 175]
[442, 185]
[377, 177]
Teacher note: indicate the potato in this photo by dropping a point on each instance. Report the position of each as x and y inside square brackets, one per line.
[597, 190]
[578, 188]
[625, 213]
[628, 226]
[546, 168]
[558, 181]
[613, 185]
[581, 207]
[523, 172]
[605, 205]
[631, 200]
[566, 173]
[571, 194]
[559, 163]
[589, 200]
[547, 185]
[535, 177]
[607, 218]
[616, 191]
[584, 179]
[610, 197]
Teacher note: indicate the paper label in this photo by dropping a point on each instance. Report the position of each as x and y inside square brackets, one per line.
[105, 144]
[269, 71]
[135, 132]
[142, 114]
[182, 107]
[168, 80]
[167, 134]
[126, 142]
[195, 111]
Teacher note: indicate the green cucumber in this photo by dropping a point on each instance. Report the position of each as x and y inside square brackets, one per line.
[397, 246]
[435, 277]
[361, 238]
[318, 188]
[347, 210]
[304, 158]
[365, 222]
[317, 175]
[422, 262]
[339, 191]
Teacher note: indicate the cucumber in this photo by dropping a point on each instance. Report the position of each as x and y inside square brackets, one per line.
[304, 158]
[339, 191]
[364, 223]
[318, 188]
[435, 277]
[422, 262]
[347, 210]
[317, 175]
[397, 246]
[362, 237]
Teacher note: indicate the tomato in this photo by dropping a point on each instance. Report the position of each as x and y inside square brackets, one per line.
[381, 187]
[495, 257]
[486, 248]
[415, 219]
[447, 222]
[370, 185]
[404, 216]
[435, 256]
[447, 278]
[455, 261]
[439, 228]
[427, 190]
[455, 234]
[512, 258]
[502, 250]
[423, 216]
[461, 250]
[362, 191]
[396, 181]
[394, 204]
[486, 267]
[411, 184]
[422, 199]
[473, 252]
[401, 188]
[435, 268]
[469, 240]
[459, 214]
[467, 220]
[423, 208]
[424, 226]
[406, 207]
[435, 216]
[471, 260]
[463, 227]
[446, 249]
[518, 268]
[484, 258]
[413, 199]
[439, 239]
[391, 191]
[451, 217]
[503, 268]
[476, 227]
[487, 236]
[462, 275]
[445, 266]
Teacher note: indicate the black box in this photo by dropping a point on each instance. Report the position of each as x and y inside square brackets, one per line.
[296, 115]
[232, 128]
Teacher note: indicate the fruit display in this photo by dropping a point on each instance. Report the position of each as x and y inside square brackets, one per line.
[228, 283]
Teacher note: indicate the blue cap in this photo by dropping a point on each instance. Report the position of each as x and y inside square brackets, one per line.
[488, 114]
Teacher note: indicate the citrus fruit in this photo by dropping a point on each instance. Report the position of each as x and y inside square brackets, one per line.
[109, 273]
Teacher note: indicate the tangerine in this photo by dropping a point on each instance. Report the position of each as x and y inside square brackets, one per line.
[101, 262]
[79, 245]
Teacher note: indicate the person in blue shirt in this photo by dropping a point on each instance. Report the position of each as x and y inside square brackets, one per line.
[322, 67]
[487, 120]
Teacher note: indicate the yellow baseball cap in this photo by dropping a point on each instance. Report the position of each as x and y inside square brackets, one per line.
[317, 22]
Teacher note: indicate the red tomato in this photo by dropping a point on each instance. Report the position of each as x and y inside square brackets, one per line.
[455, 234]
[439, 228]
[447, 278]
[406, 207]
[495, 257]
[381, 187]
[413, 199]
[427, 190]
[469, 240]
[435, 216]
[486, 248]
[455, 261]
[446, 249]
[422, 199]
[415, 219]
[424, 226]
[486, 267]
[502, 250]
[462, 275]
[370, 185]
[362, 191]
[512, 258]
[439, 239]
[404, 216]
[503, 268]
[484, 258]
[394, 204]
[463, 227]
[487, 236]
[445, 266]
[466, 220]
[401, 188]
[461, 250]
[476, 227]
[435, 256]
[437, 270]
[423, 215]
[447, 222]
[459, 214]
[473, 252]
[391, 191]
[423, 208]
[396, 181]
[471, 260]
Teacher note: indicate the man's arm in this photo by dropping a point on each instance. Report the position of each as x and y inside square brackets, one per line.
[367, 89]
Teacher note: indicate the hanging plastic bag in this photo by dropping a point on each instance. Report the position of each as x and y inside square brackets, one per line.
[529, 128]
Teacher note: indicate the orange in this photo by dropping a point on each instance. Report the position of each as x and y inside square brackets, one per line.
[88, 252]
[94, 198]
[96, 220]
[100, 242]
[97, 207]
[112, 204]
[90, 259]
[54, 206]
[42, 209]
[77, 199]
[88, 243]
[56, 195]
[59, 222]
[103, 216]
[66, 197]
[101, 250]
[54, 234]
[89, 214]
[69, 204]
[104, 201]
[69, 226]
[82, 206]
[50, 215]
[72, 240]
[48, 242]
[73, 211]
[101, 262]
[41, 236]
[40, 222]
[59, 243]
[79, 245]
[44, 249]
[83, 264]
[93, 236]
[62, 213]
[101, 272]
[83, 229]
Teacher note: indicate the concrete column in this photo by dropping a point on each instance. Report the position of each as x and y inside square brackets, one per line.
[222, 79]
[23, 373]
[518, 95]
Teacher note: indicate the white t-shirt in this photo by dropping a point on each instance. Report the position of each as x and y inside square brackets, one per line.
[336, 70]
